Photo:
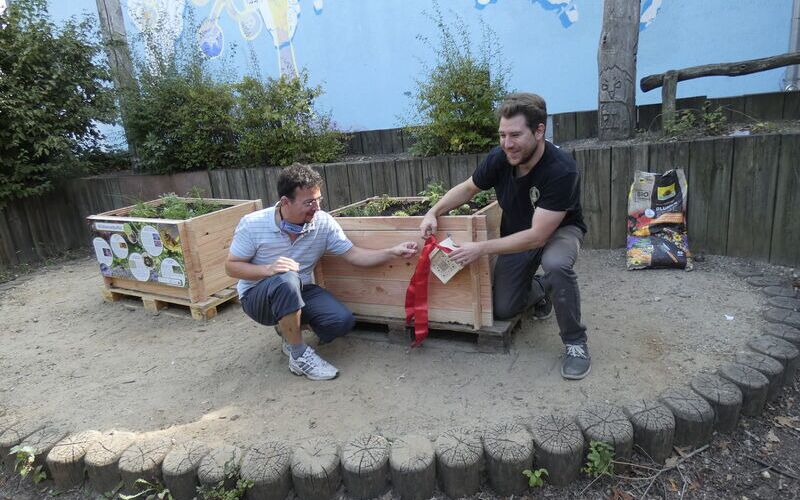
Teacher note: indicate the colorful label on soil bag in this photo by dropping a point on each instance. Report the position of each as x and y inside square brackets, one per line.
[657, 235]
[141, 251]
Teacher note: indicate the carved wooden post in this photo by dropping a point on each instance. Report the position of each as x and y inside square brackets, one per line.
[616, 61]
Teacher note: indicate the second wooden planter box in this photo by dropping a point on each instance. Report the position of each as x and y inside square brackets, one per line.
[379, 292]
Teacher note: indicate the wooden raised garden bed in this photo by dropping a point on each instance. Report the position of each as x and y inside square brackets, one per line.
[166, 260]
[379, 292]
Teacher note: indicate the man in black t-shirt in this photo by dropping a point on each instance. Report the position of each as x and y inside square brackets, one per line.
[538, 188]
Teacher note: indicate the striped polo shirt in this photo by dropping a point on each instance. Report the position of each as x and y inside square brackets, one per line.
[259, 239]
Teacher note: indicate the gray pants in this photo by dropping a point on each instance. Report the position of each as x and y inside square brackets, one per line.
[515, 289]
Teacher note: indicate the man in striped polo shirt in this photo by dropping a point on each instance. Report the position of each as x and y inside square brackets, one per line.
[273, 254]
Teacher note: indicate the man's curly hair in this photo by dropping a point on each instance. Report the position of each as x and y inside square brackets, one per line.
[297, 176]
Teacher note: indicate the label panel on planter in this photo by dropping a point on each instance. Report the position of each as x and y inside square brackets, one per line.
[140, 251]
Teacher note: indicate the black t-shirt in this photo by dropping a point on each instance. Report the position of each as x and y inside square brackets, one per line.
[553, 184]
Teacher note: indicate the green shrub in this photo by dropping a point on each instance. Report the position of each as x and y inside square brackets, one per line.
[277, 124]
[53, 91]
[454, 102]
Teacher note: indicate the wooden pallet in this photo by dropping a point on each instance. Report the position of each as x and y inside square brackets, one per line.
[206, 309]
[495, 338]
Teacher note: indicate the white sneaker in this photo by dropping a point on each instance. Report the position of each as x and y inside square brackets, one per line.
[285, 347]
[312, 366]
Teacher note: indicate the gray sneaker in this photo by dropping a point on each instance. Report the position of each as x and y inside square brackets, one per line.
[312, 366]
[285, 347]
[543, 309]
[577, 362]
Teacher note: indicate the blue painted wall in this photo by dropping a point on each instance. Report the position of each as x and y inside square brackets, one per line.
[366, 53]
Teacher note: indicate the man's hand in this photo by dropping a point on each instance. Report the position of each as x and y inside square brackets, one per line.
[428, 225]
[407, 249]
[282, 265]
[466, 253]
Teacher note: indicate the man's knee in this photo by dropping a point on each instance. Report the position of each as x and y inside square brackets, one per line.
[289, 279]
[336, 325]
[505, 309]
[558, 266]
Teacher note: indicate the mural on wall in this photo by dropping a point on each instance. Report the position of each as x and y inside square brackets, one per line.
[568, 13]
[161, 22]
[279, 17]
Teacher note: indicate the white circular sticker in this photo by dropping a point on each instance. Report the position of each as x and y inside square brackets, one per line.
[119, 246]
[172, 272]
[151, 240]
[138, 269]
[649, 213]
[102, 251]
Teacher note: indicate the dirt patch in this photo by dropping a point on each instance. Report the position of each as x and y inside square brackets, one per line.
[72, 359]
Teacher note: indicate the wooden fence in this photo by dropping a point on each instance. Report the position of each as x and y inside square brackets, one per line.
[744, 195]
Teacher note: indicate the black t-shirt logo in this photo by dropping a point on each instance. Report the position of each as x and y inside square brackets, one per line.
[534, 194]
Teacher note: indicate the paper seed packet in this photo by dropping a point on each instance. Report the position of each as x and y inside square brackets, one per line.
[441, 264]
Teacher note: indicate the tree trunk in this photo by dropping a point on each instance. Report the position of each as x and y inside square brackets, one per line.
[616, 62]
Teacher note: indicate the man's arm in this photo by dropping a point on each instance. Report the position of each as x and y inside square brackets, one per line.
[543, 224]
[241, 268]
[456, 197]
[365, 257]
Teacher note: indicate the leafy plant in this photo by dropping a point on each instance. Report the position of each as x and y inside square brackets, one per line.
[681, 124]
[173, 207]
[221, 491]
[149, 490]
[454, 101]
[464, 209]
[714, 121]
[763, 127]
[400, 213]
[433, 193]
[377, 206]
[54, 89]
[484, 197]
[277, 124]
[24, 460]
[599, 459]
[535, 479]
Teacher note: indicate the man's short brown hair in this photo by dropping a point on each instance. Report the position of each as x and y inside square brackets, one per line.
[297, 176]
[531, 106]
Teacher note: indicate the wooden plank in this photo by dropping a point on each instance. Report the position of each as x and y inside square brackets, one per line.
[256, 179]
[586, 124]
[8, 252]
[320, 169]
[20, 233]
[360, 177]
[753, 186]
[338, 185]
[791, 105]
[732, 108]
[709, 181]
[371, 140]
[354, 145]
[695, 102]
[387, 141]
[595, 168]
[186, 182]
[436, 315]
[384, 178]
[382, 239]
[785, 249]
[461, 168]
[767, 106]
[436, 169]
[237, 183]
[648, 117]
[408, 139]
[271, 174]
[625, 162]
[563, 127]
[409, 177]
[665, 156]
[397, 140]
[219, 184]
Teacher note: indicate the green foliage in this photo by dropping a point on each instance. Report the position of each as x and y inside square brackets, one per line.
[377, 206]
[24, 459]
[221, 491]
[434, 193]
[484, 197]
[400, 213]
[464, 209]
[454, 102]
[761, 127]
[599, 460]
[714, 121]
[173, 207]
[535, 479]
[53, 91]
[681, 124]
[277, 124]
[149, 490]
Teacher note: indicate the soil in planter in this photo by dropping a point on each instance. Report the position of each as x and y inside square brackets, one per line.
[175, 208]
[387, 206]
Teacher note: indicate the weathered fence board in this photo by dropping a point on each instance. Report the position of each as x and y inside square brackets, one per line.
[258, 188]
[668, 156]
[272, 173]
[785, 234]
[754, 175]
[360, 178]
[338, 185]
[462, 167]
[625, 162]
[20, 233]
[648, 117]
[791, 106]
[709, 195]
[563, 127]
[371, 141]
[732, 108]
[185, 182]
[219, 184]
[595, 169]
[237, 183]
[585, 124]
[8, 249]
[764, 106]
[409, 177]
[384, 178]
[436, 169]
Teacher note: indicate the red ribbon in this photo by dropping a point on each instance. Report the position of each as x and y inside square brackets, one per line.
[417, 292]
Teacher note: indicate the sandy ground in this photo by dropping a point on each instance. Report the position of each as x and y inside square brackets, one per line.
[71, 359]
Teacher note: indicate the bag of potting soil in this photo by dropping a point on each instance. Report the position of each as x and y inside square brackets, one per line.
[657, 235]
